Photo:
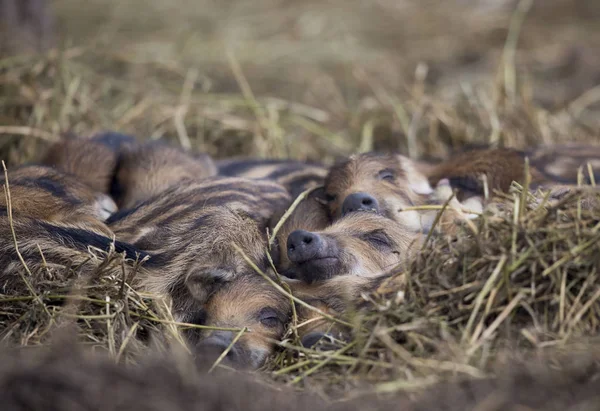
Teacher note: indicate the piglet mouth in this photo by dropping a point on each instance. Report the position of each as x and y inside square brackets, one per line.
[378, 211]
[316, 269]
[314, 256]
[318, 261]
[211, 348]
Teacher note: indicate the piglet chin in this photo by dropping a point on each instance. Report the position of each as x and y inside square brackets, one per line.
[317, 269]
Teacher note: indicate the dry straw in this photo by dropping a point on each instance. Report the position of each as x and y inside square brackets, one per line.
[526, 278]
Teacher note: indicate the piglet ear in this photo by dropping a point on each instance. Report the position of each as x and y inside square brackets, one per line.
[201, 284]
[417, 180]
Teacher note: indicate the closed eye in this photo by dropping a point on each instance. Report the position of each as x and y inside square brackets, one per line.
[387, 174]
[378, 239]
[269, 318]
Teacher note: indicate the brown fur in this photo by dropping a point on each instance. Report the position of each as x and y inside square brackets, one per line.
[555, 164]
[47, 194]
[337, 297]
[392, 180]
[116, 164]
[361, 244]
[310, 214]
[190, 229]
[500, 167]
[549, 166]
[560, 163]
[295, 176]
[407, 179]
[59, 253]
[92, 161]
[189, 242]
[69, 378]
[51, 250]
[251, 302]
[148, 170]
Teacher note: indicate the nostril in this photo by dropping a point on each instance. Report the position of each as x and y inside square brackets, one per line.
[300, 240]
[359, 202]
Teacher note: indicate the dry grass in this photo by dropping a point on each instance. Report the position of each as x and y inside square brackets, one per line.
[109, 315]
[524, 283]
[314, 80]
[308, 80]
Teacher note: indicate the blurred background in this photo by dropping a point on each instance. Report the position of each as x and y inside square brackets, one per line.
[300, 78]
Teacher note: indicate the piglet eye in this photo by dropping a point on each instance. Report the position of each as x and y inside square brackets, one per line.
[378, 239]
[387, 174]
[269, 318]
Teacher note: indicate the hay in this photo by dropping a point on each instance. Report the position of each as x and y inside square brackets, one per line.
[525, 282]
[98, 304]
[527, 279]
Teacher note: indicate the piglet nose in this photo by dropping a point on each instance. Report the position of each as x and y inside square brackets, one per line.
[214, 345]
[359, 202]
[302, 245]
